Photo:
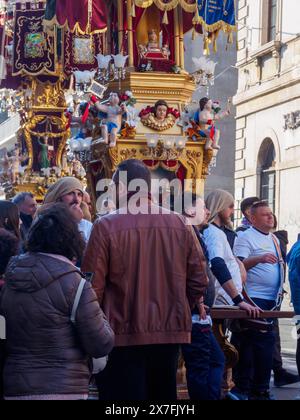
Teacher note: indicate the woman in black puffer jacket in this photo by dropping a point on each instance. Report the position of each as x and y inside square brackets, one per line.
[9, 246]
[49, 357]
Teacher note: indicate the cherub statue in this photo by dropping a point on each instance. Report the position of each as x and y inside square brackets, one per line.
[205, 117]
[4, 163]
[111, 124]
[85, 120]
[14, 163]
[142, 50]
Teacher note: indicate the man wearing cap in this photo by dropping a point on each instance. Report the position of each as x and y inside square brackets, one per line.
[69, 190]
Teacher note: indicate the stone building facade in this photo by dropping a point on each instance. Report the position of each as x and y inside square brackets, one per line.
[268, 108]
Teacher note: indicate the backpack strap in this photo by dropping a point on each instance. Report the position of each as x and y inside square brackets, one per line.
[281, 263]
[77, 299]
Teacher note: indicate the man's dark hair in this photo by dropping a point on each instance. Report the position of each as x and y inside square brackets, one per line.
[10, 217]
[135, 169]
[21, 197]
[55, 231]
[248, 203]
[9, 245]
[258, 205]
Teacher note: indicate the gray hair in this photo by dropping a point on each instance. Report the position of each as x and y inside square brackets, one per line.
[21, 197]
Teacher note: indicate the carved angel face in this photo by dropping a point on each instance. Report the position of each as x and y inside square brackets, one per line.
[161, 112]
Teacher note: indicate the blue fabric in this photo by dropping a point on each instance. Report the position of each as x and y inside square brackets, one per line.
[111, 126]
[293, 260]
[205, 363]
[213, 11]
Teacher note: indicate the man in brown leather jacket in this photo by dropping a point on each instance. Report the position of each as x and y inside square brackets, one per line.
[149, 272]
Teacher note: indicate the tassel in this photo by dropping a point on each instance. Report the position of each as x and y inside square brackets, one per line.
[133, 14]
[194, 34]
[197, 18]
[230, 38]
[215, 45]
[206, 46]
[165, 18]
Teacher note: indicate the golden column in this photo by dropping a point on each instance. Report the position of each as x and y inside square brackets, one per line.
[120, 25]
[181, 38]
[177, 35]
[130, 33]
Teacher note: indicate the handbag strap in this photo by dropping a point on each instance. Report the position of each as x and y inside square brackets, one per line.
[77, 299]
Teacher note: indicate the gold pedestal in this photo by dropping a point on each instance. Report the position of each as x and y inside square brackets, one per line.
[147, 89]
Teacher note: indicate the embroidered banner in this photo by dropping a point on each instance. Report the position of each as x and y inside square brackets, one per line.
[34, 50]
[80, 51]
[217, 14]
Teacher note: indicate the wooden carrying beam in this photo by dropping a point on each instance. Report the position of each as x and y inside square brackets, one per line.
[230, 313]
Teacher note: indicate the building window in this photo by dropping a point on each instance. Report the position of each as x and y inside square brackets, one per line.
[272, 20]
[267, 162]
[269, 20]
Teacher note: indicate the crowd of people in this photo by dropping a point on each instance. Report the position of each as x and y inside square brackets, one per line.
[132, 293]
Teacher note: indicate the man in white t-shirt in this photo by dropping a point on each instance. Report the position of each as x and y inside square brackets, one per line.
[224, 265]
[259, 250]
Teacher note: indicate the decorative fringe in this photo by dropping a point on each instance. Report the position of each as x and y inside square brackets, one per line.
[206, 50]
[165, 20]
[133, 14]
[230, 38]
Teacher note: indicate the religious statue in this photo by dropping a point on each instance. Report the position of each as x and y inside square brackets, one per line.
[44, 162]
[205, 118]
[112, 121]
[160, 117]
[153, 50]
[4, 163]
[153, 45]
[14, 163]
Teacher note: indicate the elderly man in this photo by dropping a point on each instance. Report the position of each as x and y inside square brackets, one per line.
[27, 206]
[69, 190]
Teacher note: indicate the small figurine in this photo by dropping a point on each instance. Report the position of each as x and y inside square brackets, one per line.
[43, 158]
[205, 117]
[153, 45]
[166, 51]
[14, 163]
[111, 124]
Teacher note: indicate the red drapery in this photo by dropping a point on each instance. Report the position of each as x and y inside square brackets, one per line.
[180, 172]
[75, 15]
[167, 31]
